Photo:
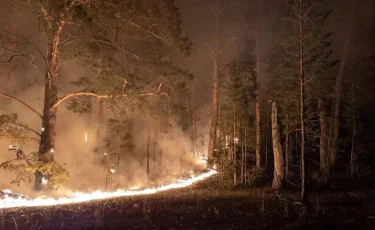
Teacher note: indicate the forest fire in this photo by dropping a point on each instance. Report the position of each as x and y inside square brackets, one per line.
[78, 197]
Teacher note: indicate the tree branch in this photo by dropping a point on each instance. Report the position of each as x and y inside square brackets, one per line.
[69, 95]
[23, 103]
[26, 127]
[25, 39]
[157, 92]
[26, 138]
[90, 94]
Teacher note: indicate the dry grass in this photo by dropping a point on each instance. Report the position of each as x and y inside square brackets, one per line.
[202, 208]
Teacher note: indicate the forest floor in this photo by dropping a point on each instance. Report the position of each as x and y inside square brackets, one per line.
[201, 207]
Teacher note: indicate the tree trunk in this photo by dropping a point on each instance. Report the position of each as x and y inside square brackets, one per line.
[234, 150]
[47, 139]
[245, 170]
[267, 123]
[148, 147]
[155, 143]
[257, 93]
[302, 101]
[161, 147]
[352, 153]
[338, 93]
[211, 145]
[324, 166]
[242, 164]
[278, 178]
[287, 156]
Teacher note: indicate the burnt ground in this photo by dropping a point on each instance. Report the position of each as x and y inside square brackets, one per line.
[200, 207]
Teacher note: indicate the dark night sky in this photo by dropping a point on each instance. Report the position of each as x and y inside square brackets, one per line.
[241, 21]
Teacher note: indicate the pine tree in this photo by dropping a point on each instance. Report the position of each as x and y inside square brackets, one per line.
[300, 78]
[85, 27]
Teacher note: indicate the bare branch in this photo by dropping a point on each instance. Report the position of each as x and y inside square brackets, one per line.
[226, 43]
[26, 127]
[145, 29]
[109, 42]
[25, 39]
[25, 138]
[19, 54]
[23, 103]
[157, 92]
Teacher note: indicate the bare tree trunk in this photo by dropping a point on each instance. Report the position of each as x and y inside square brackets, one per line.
[245, 156]
[211, 145]
[47, 140]
[155, 143]
[302, 101]
[257, 93]
[161, 147]
[242, 164]
[193, 125]
[234, 150]
[278, 178]
[267, 123]
[324, 166]
[287, 156]
[338, 93]
[148, 146]
[352, 153]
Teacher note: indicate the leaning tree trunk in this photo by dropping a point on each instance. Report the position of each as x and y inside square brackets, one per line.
[324, 166]
[278, 177]
[47, 139]
[338, 93]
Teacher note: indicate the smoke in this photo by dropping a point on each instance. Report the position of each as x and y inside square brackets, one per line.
[172, 151]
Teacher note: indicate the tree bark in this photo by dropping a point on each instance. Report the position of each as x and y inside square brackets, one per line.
[338, 94]
[257, 93]
[155, 143]
[148, 147]
[47, 141]
[278, 177]
[287, 156]
[302, 101]
[352, 151]
[324, 166]
[234, 150]
[211, 145]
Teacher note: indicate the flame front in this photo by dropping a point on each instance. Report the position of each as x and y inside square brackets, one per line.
[78, 197]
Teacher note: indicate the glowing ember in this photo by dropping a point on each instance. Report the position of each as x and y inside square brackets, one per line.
[43, 129]
[86, 137]
[77, 197]
[44, 181]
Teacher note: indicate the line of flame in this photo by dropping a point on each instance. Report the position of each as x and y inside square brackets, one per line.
[78, 197]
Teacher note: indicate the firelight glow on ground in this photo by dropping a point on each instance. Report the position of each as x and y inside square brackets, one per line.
[78, 197]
